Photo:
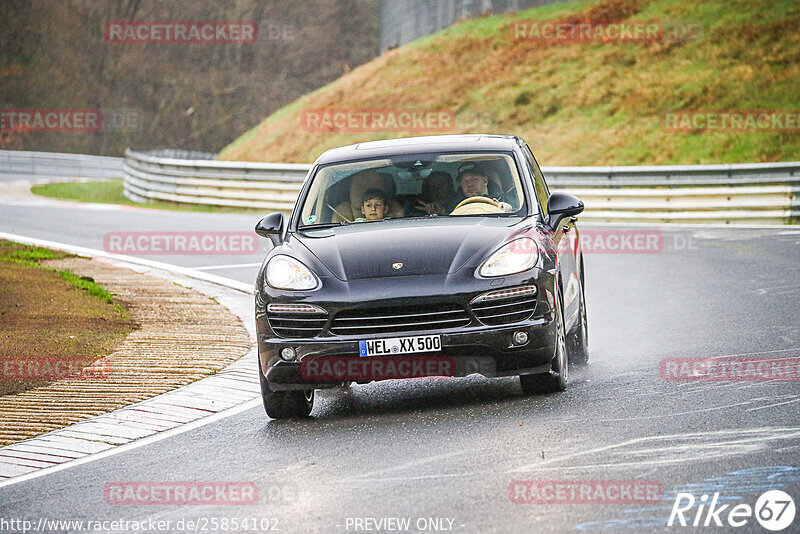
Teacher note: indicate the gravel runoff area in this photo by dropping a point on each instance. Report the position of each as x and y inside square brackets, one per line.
[183, 336]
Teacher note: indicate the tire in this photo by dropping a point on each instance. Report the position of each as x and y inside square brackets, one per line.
[556, 380]
[578, 342]
[286, 404]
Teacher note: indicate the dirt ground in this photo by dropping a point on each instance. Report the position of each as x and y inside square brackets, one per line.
[46, 319]
[181, 336]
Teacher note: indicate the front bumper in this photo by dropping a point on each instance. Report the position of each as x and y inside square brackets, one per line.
[472, 348]
[489, 351]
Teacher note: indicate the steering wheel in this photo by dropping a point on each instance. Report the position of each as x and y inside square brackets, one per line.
[477, 205]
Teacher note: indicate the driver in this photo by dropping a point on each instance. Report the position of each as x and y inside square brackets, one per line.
[437, 189]
[473, 183]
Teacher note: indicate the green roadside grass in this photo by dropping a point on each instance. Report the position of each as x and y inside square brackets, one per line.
[52, 314]
[111, 192]
[30, 256]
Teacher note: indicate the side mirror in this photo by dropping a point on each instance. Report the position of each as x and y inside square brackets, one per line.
[561, 205]
[271, 227]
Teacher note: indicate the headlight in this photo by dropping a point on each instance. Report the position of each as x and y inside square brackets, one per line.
[284, 272]
[514, 257]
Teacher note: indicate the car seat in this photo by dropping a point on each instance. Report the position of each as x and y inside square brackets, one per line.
[350, 210]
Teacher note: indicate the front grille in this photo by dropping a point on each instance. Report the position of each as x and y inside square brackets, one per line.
[399, 319]
[505, 307]
[296, 321]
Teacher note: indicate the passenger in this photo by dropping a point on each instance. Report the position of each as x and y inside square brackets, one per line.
[373, 205]
[436, 192]
[473, 182]
[349, 210]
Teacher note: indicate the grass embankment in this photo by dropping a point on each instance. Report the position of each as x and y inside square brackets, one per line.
[111, 192]
[51, 315]
[591, 103]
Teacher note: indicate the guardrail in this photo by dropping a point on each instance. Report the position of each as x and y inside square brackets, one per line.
[765, 193]
[270, 186]
[59, 165]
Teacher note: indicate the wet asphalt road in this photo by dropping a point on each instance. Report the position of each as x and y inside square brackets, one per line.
[443, 453]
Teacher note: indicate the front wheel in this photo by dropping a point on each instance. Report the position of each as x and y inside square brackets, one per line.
[556, 379]
[286, 404]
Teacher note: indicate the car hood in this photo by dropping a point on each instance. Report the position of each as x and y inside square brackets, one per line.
[406, 247]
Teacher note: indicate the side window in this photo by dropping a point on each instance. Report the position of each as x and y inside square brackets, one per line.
[542, 193]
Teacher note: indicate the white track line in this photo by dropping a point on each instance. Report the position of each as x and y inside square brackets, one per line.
[93, 253]
[134, 444]
[679, 226]
[229, 266]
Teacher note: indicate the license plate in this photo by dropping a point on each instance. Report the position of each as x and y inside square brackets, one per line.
[400, 345]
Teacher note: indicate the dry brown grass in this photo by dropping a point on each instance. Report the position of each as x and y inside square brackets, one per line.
[577, 103]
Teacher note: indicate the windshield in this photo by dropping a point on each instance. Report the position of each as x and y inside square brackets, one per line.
[423, 185]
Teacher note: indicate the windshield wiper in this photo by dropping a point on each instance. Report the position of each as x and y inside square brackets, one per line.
[321, 226]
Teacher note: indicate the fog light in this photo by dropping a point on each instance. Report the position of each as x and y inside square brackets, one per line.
[520, 338]
[288, 354]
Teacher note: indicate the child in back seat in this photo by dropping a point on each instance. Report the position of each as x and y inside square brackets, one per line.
[373, 205]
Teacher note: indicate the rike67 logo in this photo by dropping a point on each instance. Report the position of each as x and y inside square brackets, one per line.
[774, 510]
